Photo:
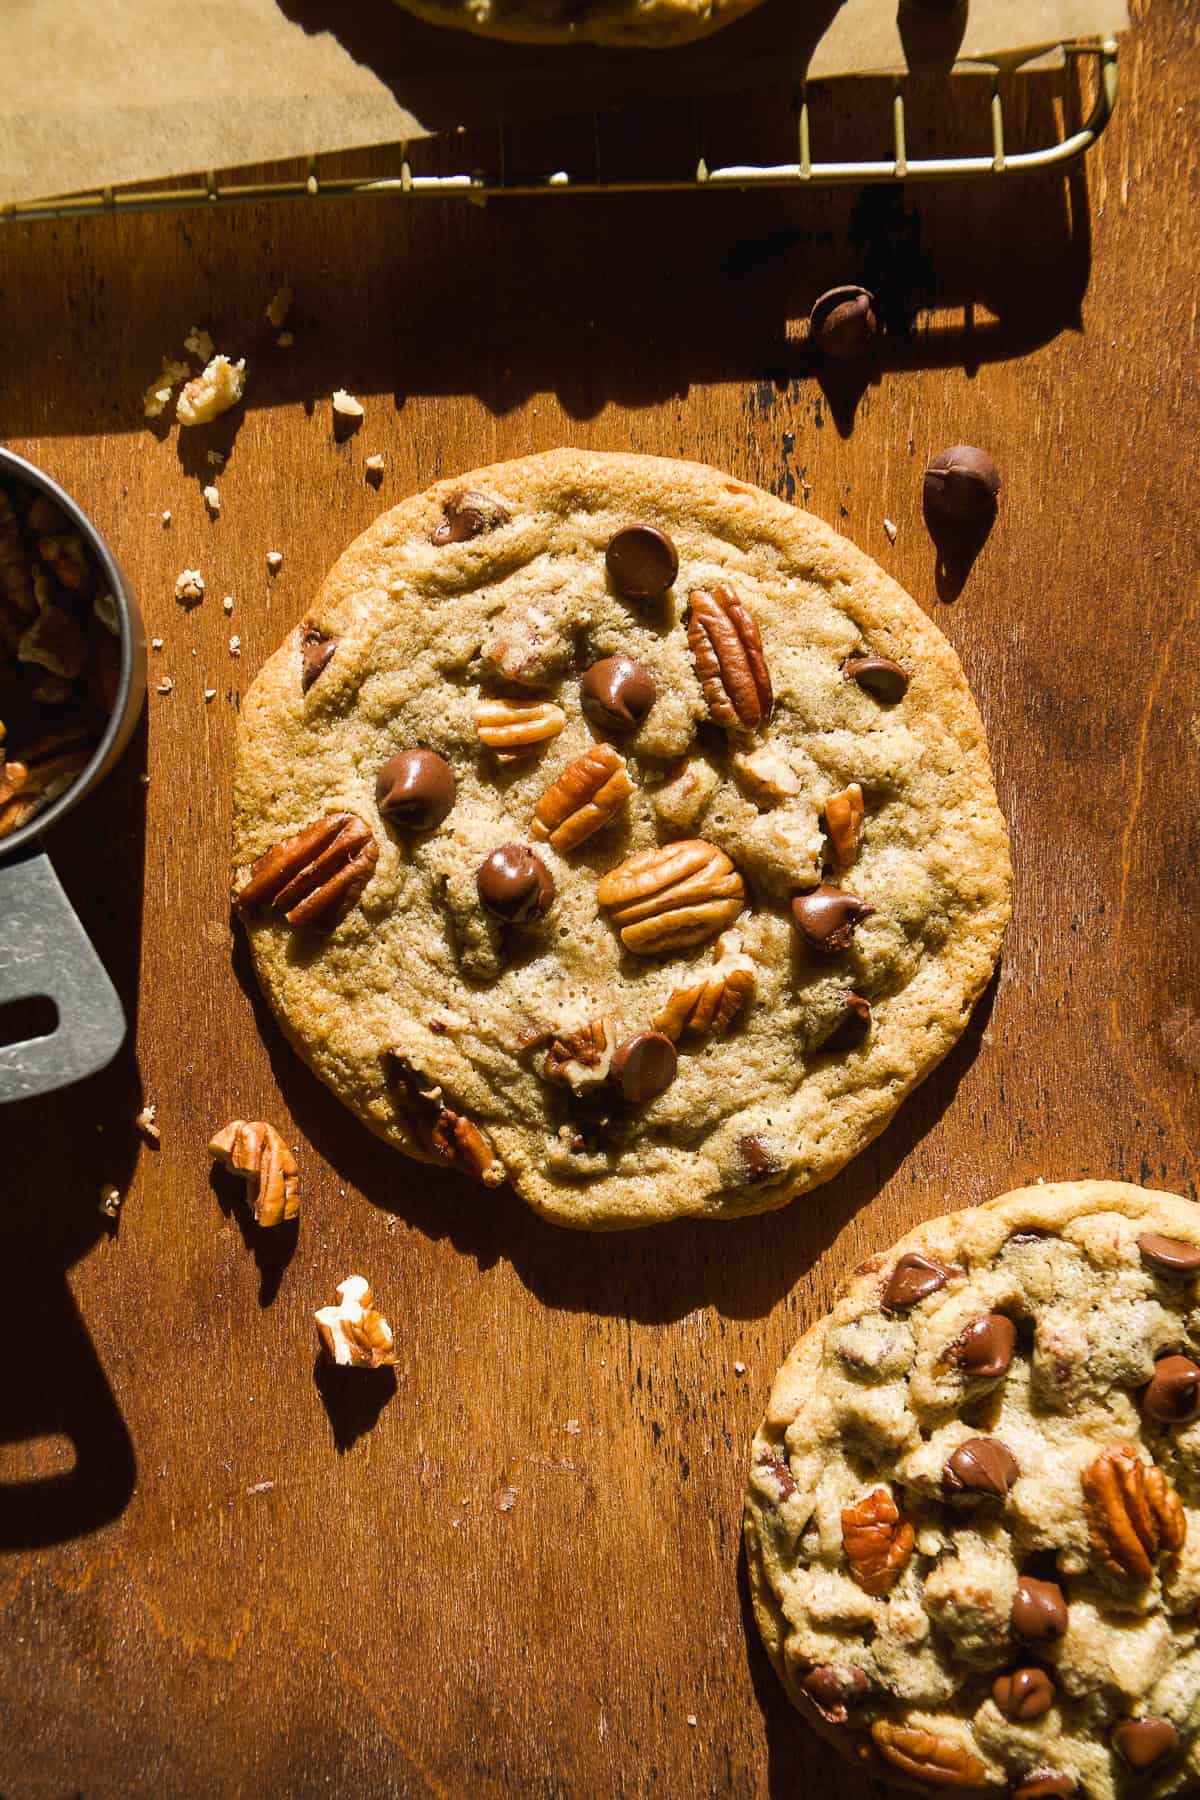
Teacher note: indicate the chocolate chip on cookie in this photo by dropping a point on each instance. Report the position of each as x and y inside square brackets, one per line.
[468, 515]
[843, 322]
[1025, 1694]
[617, 693]
[515, 885]
[1144, 1743]
[981, 1465]
[1173, 1396]
[1039, 1610]
[642, 562]
[985, 1349]
[644, 1065]
[852, 1028]
[961, 486]
[415, 789]
[826, 917]
[913, 1279]
[882, 677]
[1170, 1256]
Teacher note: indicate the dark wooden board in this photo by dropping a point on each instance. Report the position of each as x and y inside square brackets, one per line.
[380, 1618]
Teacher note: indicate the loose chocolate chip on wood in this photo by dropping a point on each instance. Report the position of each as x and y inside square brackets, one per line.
[843, 322]
[913, 1278]
[415, 789]
[853, 1026]
[982, 1465]
[1173, 1395]
[644, 1065]
[1039, 1611]
[515, 885]
[879, 675]
[617, 693]
[642, 562]
[826, 917]
[985, 1348]
[1142, 1743]
[961, 486]
[1025, 1694]
[1170, 1256]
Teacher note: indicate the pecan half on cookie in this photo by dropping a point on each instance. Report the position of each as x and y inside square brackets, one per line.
[728, 654]
[1134, 1513]
[588, 795]
[315, 877]
[671, 896]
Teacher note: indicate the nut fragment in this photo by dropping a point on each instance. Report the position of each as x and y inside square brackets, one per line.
[353, 1333]
[924, 1757]
[844, 818]
[189, 587]
[587, 796]
[580, 1058]
[1133, 1511]
[516, 728]
[672, 895]
[707, 1008]
[833, 1689]
[256, 1151]
[445, 1135]
[315, 877]
[877, 1540]
[728, 654]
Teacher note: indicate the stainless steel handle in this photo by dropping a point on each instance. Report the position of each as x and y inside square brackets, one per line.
[45, 952]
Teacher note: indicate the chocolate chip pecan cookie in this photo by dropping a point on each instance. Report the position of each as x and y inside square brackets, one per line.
[648, 23]
[611, 827]
[973, 1519]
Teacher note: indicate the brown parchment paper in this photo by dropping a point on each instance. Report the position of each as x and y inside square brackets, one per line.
[98, 94]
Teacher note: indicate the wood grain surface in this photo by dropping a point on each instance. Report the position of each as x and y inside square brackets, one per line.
[514, 1567]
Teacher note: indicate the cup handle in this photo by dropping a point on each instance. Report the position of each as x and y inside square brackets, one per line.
[45, 952]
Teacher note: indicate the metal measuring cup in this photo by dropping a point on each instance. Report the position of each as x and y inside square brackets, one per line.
[44, 951]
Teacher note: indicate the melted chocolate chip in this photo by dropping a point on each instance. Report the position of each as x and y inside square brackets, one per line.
[1025, 1694]
[852, 1027]
[755, 1161]
[982, 1465]
[468, 515]
[315, 651]
[1169, 1256]
[415, 789]
[777, 1467]
[642, 562]
[834, 1690]
[913, 1278]
[1173, 1395]
[882, 677]
[1142, 1743]
[985, 1348]
[843, 322]
[1045, 1784]
[961, 486]
[515, 885]
[617, 693]
[644, 1065]
[1039, 1611]
[826, 918]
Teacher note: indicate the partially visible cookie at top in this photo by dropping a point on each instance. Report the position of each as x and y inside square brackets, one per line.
[614, 829]
[645, 24]
[973, 1515]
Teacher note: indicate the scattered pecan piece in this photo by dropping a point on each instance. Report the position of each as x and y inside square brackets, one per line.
[316, 648]
[672, 895]
[255, 1150]
[67, 560]
[458, 1140]
[516, 728]
[706, 1008]
[587, 796]
[728, 654]
[1133, 1512]
[315, 877]
[844, 817]
[353, 1333]
[580, 1058]
[46, 769]
[56, 642]
[878, 1541]
[16, 579]
[777, 1468]
[924, 1757]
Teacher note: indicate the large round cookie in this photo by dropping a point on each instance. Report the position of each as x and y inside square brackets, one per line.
[973, 1520]
[645, 24]
[503, 1044]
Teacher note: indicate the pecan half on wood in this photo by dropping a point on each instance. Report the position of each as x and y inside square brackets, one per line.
[315, 877]
[924, 1757]
[845, 816]
[877, 1540]
[1133, 1512]
[255, 1151]
[706, 1008]
[515, 728]
[672, 895]
[728, 654]
[587, 796]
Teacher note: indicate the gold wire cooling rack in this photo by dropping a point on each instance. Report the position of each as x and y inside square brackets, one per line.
[501, 181]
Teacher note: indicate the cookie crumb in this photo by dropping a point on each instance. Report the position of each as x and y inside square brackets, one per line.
[215, 459]
[147, 1122]
[166, 685]
[212, 498]
[889, 527]
[227, 603]
[373, 468]
[200, 344]
[284, 341]
[346, 404]
[210, 693]
[573, 1427]
[156, 643]
[189, 587]
[235, 645]
[166, 518]
[274, 561]
[506, 1499]
[739, 1368]
[280, 307]
[218, 386]
[110, 1200]
[691, 1719]
[260, 1487]
[158, 395]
